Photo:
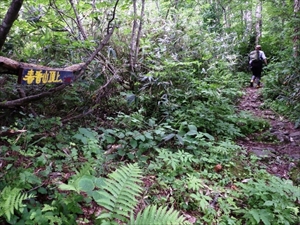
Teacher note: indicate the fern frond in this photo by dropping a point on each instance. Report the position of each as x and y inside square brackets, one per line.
[162, 215]
[119, 193]
[11, 199]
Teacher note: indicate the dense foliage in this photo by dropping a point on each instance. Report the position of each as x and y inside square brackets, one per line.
[142, 134]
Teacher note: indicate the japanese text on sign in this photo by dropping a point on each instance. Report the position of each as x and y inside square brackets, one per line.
[32, 76]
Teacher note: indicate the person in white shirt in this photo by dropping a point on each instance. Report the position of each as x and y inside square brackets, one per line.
[256, 65]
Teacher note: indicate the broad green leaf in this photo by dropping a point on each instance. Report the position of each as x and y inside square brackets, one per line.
[180, 139]
[82, 138]
[148, 135]
[121, 135]
[169, 137]
[192, 132]
[192, 127]
[133, 143]
[67, 187]
[268, 203]
[264, 218]
[255, 215]
[110, 139]
[86, 185]
[211, 138]
[140, 137]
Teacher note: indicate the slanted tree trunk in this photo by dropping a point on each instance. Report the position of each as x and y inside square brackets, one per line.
[258, 25]
[10, 17]
[296, 38]
[137, 44]
[136, 35]
[78, 21]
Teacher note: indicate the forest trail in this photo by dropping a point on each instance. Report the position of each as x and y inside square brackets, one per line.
[279, 145]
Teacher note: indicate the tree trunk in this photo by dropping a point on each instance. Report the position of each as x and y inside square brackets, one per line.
[296, 38]
[258, 25]
[133, 38]
[136, 35]
[10, 17]
[78, 21]
[247, 16]
[137, 44]
[225, 9]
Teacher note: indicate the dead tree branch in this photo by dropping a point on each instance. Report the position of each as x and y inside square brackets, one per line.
[65, 120]
[9, 66]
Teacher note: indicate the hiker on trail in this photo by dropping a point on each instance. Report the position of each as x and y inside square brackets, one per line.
[256, 60]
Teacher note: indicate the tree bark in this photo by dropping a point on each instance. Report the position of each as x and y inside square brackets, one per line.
[258, 21]
[137, 44]
[136, 35]
[296, 38]
[247, 16]
[133, 38]
[225, 9]
[10, 17]
[78, 21]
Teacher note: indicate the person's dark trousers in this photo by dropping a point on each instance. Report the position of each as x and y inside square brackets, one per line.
[256, 68]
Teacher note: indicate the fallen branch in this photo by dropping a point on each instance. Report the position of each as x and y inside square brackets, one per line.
[12, 67]
[25, 100]
[78, 116]
[11, 132]
[9, 66]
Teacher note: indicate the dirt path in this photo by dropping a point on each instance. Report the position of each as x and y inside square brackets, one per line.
[279, 146]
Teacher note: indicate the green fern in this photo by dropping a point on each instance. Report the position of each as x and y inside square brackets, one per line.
[119, 193]
[156, 216]
[118, 197]
[11, 199]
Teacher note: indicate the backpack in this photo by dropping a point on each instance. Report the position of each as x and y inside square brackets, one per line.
[254, 56]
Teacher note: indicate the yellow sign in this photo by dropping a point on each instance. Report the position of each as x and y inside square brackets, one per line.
[33, 76]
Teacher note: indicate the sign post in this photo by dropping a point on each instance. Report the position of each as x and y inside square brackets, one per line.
[32, 76]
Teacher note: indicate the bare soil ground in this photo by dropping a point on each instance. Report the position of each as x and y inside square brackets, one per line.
[279, 145]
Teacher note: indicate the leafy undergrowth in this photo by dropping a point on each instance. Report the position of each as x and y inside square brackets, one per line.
[178, 164]
[148, 133]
